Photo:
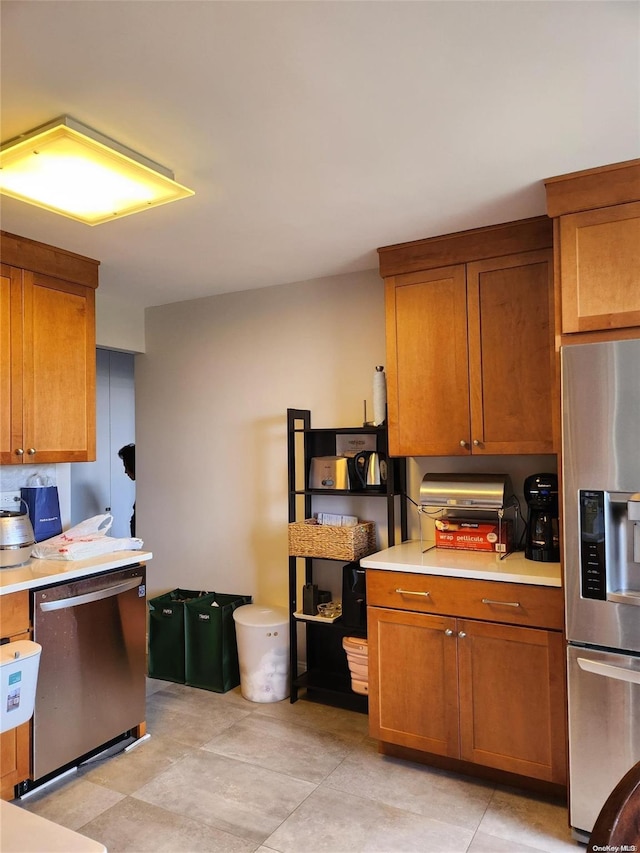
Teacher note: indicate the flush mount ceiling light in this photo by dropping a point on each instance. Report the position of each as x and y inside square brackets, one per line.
[68, 168]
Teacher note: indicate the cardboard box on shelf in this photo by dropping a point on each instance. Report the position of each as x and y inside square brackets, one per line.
[468, 535]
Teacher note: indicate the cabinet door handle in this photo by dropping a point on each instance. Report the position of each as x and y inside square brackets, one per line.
[505, 603]
[411, 592]
[476, 443]
[19, 452]
[448, 632]
[31, 451]
[462, 634]
[463, 443]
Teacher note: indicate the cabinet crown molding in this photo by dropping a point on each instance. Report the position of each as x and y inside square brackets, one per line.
[460, 247]
[38, 257]
[604, 186]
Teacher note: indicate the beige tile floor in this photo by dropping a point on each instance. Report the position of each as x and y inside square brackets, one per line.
[222, 774]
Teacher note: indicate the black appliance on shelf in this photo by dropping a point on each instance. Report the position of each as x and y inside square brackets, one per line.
[354, 596]
[543, 539]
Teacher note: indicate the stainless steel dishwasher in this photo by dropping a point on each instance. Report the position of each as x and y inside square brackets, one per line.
[91, 684]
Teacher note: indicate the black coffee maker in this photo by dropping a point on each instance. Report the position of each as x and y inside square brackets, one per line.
[543, 540]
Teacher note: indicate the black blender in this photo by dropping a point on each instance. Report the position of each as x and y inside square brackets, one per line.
[543, 540]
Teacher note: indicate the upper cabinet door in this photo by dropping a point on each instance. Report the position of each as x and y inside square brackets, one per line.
[511, 353]
[59, 370]
[10, 364]
[427, 363]
[600, 268]
[597, 245]
[47, 353]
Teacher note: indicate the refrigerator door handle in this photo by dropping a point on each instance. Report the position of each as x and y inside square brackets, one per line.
[624, 597]
[98, 595]
[609, 671]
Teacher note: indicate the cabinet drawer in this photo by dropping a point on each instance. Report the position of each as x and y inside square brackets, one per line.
[14, 613]
[490, 601]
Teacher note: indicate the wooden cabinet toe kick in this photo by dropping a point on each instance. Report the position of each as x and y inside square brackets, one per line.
[456, 765]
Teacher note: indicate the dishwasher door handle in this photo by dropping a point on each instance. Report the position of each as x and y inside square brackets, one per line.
[87, 597]
[609, 670]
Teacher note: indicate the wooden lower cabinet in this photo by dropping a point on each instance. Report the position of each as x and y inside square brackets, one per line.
[15, 744]
[413, 680]
[486, 693]
[14, 759]
[512, 713]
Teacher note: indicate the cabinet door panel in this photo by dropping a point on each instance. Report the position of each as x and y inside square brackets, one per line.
[10, 366]
[413, 680]
[600, 268]
[14, 614]
[59, 368]
[511, 353]
[512, 699]
[14, 759]
[427, 358]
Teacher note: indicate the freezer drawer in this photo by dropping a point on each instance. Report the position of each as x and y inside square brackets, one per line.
[91, 685]
[604, 728]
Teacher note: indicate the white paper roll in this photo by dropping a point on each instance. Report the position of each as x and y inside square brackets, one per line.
[379, 396]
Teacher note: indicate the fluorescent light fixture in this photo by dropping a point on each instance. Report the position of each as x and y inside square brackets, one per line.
[68, 168]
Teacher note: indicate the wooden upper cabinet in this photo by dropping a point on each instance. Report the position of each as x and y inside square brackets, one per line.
[427, 362]
[47, 343]
[511, 353]
[470, 346]
[10, 364]
[598, 246]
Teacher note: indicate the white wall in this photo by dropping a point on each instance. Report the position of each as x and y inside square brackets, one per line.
[212, 392]
[119, 325]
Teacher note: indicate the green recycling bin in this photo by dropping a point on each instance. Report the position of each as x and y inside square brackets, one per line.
[167, 634]
[210, 641]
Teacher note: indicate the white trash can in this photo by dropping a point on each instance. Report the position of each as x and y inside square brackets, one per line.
[263, 652]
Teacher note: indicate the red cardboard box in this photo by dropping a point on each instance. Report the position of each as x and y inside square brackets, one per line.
[463, 535]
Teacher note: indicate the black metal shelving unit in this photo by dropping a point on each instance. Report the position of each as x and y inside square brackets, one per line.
[327, 678]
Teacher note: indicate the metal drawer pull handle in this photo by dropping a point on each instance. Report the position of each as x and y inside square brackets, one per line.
[410, 592]
[506, 603]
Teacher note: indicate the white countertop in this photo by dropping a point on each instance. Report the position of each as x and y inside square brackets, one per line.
[37, 573]
[515, 568]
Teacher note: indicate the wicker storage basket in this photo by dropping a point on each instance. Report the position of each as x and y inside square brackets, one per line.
[308, 539]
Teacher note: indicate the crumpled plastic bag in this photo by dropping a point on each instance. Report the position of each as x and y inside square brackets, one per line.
[87, 539]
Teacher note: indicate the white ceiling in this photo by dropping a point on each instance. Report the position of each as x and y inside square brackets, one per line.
[314, 132]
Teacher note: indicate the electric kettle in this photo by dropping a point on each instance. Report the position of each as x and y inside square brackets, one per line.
[16, 538]
[370, 470]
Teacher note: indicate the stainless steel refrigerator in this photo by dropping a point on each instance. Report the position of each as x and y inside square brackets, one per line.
[601, 511]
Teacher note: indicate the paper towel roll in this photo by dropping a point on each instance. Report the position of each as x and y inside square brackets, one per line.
[379, 396]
